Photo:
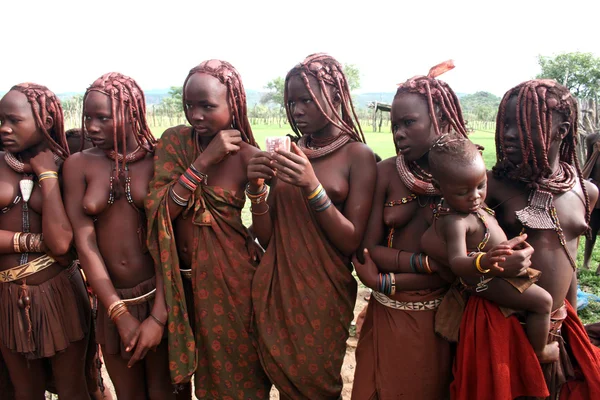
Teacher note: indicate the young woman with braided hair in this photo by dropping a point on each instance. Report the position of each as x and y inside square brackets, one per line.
[399, 353]
[105, 188]
[196, 234]
[303, 290]
[44, 308]
[536, 187]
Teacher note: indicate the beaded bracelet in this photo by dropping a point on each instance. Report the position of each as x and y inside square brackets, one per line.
[315, 192]
[47, 175]
[16, 243]
[257, 198]
[201, 175]
[116, 309]
[323, 206]
[177, 199]
[387, 284]
[158, 321]
[428, 269]
[186, 183]
[412, 263]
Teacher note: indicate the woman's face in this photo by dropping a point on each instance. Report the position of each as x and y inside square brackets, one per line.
[305, 113]
[18, 129]
[98, 118]
[512, 147]
[413, 130]
[206, 104]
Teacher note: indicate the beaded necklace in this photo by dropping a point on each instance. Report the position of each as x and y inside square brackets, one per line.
[125, 181]
[415, 178]
[26, 185]
[315, 148]
[540, 212]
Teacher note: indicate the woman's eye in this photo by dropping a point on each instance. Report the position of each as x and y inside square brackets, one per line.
[409, 122]
[394, 128]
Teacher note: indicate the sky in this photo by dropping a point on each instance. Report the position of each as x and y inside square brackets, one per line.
[66, 44]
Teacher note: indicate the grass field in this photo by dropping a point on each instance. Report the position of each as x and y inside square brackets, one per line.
[381, 143]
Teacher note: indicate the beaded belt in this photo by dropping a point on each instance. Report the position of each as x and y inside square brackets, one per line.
[28, 269]
[186, 273]
[407, 305]
[140, 299]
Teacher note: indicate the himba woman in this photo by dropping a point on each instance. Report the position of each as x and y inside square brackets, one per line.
[105, 188]
[320, 196]
[536, 187]
[194, 218]
[45, 311]
[399, 354]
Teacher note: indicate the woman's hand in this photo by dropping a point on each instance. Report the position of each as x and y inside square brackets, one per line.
[367, 272]
[222, 144]
[148, 336]
[293, 167]
[516, 264]
[127, 325]
[260, 169]
[43, 162]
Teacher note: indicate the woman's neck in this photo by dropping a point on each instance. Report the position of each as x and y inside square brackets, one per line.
[31, 152]
[329, 131]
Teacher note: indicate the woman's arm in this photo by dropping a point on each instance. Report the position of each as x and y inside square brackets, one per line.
[259, 170]
[87, 247]
[344, 229]
[57, 230]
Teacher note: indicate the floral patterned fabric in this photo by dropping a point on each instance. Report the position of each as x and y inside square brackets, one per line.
[224, 260]
[303, 295]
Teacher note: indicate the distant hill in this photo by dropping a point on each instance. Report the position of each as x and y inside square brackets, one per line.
[361, 100]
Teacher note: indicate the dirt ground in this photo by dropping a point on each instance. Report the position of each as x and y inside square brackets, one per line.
[349, 361]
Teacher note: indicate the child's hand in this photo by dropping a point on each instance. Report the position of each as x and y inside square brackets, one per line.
[496, 255]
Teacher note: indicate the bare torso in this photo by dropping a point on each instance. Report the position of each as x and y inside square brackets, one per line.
[507, 197]
[119, 226]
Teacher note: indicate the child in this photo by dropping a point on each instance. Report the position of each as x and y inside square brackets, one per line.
[473, 240]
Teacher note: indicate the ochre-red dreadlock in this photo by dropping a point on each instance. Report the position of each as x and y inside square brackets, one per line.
[537, 100]
[328, 72]
[45, 104]
[127, 98]
[438, 94]
[228, 76]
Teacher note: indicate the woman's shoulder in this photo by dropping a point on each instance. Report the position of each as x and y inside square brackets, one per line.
[176, 131]
[81, 159]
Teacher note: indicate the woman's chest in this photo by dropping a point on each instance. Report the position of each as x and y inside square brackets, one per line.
[103, 188]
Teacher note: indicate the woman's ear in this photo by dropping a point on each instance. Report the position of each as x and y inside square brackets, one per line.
[337, 98]
[563, 130]
[48, 123]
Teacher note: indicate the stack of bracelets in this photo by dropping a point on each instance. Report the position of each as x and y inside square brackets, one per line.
[258, 198]
[477, 263]
[318, 199]
[117, 309]
[27, 242]
[47, 175]
[190, 180]
[387, 284]
[419, 263]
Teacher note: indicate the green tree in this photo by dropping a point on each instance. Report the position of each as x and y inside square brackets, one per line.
[480, 106]
[274, 96]
[580, 72]
[352, 76]
[175, 99]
